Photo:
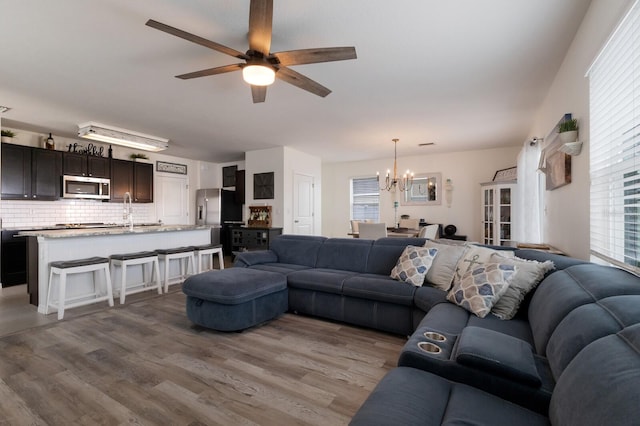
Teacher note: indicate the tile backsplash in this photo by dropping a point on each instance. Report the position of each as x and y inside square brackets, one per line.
[18, 214]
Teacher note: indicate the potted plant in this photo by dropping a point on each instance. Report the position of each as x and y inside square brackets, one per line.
[568, 130]
[7, 135]
[138, 156]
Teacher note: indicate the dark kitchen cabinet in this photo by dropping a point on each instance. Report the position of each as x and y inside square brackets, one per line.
[133, 177]
[121, 179]
[30, 173]
[85, 165]
[16, 172]
[240, 182]
[142, 182]
[13, 265]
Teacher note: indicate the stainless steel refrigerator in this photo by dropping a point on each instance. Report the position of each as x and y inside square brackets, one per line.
[217, 207]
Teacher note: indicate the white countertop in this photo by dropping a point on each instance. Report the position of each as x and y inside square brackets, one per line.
[91, 232]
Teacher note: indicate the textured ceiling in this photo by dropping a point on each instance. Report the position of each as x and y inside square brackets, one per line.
[465, 74]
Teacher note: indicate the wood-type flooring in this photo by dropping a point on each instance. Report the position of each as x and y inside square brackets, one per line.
[146, 363]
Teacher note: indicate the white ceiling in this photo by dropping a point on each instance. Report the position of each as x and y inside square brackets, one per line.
[464, 74]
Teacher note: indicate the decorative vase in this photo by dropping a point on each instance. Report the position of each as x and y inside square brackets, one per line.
[570, 136]
[49, 143]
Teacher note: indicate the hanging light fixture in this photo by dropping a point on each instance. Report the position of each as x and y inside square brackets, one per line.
[393, 183]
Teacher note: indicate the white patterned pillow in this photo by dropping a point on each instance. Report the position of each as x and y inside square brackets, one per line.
[476, 256]
[413, 264]
[480, 288]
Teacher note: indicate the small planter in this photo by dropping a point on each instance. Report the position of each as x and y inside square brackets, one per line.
[570, 136]
[6, 139]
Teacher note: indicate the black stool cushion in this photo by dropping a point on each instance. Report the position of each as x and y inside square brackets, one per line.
[207, 246]
[130, 256]
[174, 250]
[64, 264]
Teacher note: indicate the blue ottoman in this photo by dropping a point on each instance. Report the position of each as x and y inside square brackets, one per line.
[235, 298]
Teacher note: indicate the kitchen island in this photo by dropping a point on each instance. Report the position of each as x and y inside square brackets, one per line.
[46, 246]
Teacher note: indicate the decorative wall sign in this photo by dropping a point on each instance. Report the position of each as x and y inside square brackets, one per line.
[506, 174]
[558, 170]
[180, 169]
[90, 149]
[229, 176]
[263, 186]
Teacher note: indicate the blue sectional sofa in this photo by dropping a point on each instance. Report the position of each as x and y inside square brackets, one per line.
[570, 356]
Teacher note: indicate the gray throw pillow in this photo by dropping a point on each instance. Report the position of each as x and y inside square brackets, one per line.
[443, 268]
[529, 274]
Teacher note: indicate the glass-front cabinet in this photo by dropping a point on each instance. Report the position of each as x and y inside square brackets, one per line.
[498, 213]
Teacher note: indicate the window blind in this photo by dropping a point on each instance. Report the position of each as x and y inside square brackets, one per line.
[614, 82]
[365, 198]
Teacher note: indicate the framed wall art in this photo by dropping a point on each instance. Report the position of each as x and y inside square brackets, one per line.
[263, 186]
[180, 169]
[558, 170]
[506, 174]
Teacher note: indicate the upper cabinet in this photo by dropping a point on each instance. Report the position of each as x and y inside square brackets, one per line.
[86, 165]
[133, 177]
[30, 173]
[142, 182]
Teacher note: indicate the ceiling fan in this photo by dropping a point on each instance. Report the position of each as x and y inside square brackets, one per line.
[260, 66]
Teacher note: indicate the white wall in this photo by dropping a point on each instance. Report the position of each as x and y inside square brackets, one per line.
[265, 161]
[284, 162]
[465, 169]
[566, 218]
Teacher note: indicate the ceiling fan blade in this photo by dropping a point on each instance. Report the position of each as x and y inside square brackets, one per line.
[299, 80]
[260, 23]
[312, 56]
[195, 39]
[259, 93]
[211, 71]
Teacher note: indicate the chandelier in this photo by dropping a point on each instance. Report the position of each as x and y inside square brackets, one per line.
[391, 183]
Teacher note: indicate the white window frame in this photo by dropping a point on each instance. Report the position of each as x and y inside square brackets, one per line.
[374, 194]
[614, 149]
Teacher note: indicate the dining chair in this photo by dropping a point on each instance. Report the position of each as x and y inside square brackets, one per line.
[372, 231]
[429, 231]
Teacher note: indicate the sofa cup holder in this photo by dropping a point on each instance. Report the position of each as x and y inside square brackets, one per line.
[435, 336]
[430, 348]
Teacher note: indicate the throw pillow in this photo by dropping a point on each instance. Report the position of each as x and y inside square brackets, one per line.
[480, 288]
[530, 273]
[413, 264]
[444, 265]
[476, 256]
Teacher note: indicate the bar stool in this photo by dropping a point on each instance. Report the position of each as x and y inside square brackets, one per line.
[144, 259]
[65, 268]
[182, 255]
[209, 250]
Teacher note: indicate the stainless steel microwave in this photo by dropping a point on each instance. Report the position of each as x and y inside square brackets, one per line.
[86, 187]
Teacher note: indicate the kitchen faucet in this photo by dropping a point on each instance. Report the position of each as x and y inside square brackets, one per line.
[127, 214]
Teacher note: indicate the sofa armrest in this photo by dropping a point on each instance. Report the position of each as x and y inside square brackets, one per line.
[249, 258]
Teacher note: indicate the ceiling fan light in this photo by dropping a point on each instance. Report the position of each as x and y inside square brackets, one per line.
[258, 75]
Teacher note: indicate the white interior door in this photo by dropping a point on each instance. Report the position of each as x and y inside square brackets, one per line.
[302, 204]
[172, 205]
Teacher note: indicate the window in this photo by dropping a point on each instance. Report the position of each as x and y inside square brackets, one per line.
[614, 82]
[365, 198]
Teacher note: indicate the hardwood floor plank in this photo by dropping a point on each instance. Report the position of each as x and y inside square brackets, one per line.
[146, 363]
[15, 410]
